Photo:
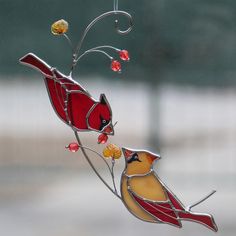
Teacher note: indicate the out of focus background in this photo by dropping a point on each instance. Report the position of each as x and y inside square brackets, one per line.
[176, 96]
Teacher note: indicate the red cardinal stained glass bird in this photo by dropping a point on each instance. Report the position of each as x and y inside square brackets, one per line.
[71, 102]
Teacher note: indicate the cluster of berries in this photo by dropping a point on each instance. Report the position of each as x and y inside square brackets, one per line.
[116, 65]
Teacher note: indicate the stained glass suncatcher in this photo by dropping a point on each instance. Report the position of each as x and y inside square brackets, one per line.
[141, 190]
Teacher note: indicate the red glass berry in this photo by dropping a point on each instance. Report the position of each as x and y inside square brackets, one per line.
[124, 55]
[102, 138]
[73, 147]
[116, 66]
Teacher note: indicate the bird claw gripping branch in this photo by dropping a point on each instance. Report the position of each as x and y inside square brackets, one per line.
[141, 190]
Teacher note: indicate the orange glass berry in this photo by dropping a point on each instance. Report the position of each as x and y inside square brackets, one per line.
[106, 153]
[59, 27]
[115, 151]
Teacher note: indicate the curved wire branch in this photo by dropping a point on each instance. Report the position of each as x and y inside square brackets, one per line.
[69, 42]
[93, 167]
[97, 49]
[111, 169]
[91, 150]
[106, 46]
[93, 50]
[109, 13]
[201, 200]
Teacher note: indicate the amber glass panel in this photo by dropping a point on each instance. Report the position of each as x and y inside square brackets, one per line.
[148, 187]
[132, 205]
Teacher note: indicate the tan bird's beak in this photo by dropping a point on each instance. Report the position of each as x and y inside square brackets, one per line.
[127, 153]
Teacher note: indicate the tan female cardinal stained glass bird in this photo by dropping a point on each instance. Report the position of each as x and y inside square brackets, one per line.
[142, 191]
[148, 198]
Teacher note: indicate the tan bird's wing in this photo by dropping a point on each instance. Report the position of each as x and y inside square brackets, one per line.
[148, 187]
[151, 196]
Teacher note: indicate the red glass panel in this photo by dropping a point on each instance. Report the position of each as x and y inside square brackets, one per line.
[79, 105]
[32, 60]
[199, 218]
[99, 115]
[57, 96]
[174, 201]
[162, 211]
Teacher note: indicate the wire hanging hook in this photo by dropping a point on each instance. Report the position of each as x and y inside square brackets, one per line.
[123, 13]
[116, 9]
[115, 5]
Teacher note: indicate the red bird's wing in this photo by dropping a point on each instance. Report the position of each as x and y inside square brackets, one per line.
[174, 200]
[70, 101]
[201, 218]
[173, 211]
[162, 211]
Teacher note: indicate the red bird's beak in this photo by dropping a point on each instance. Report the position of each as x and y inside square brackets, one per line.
[109, 130]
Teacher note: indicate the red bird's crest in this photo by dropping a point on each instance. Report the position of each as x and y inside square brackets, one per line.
[71, 102]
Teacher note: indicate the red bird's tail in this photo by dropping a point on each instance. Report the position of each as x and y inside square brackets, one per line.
[204, 219]
[32, 60]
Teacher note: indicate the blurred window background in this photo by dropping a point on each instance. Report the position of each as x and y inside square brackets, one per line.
[176, 96]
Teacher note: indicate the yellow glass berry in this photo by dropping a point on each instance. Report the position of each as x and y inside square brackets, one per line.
[117, 154]
[106, 152]
[59, 27]
[115, 151]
